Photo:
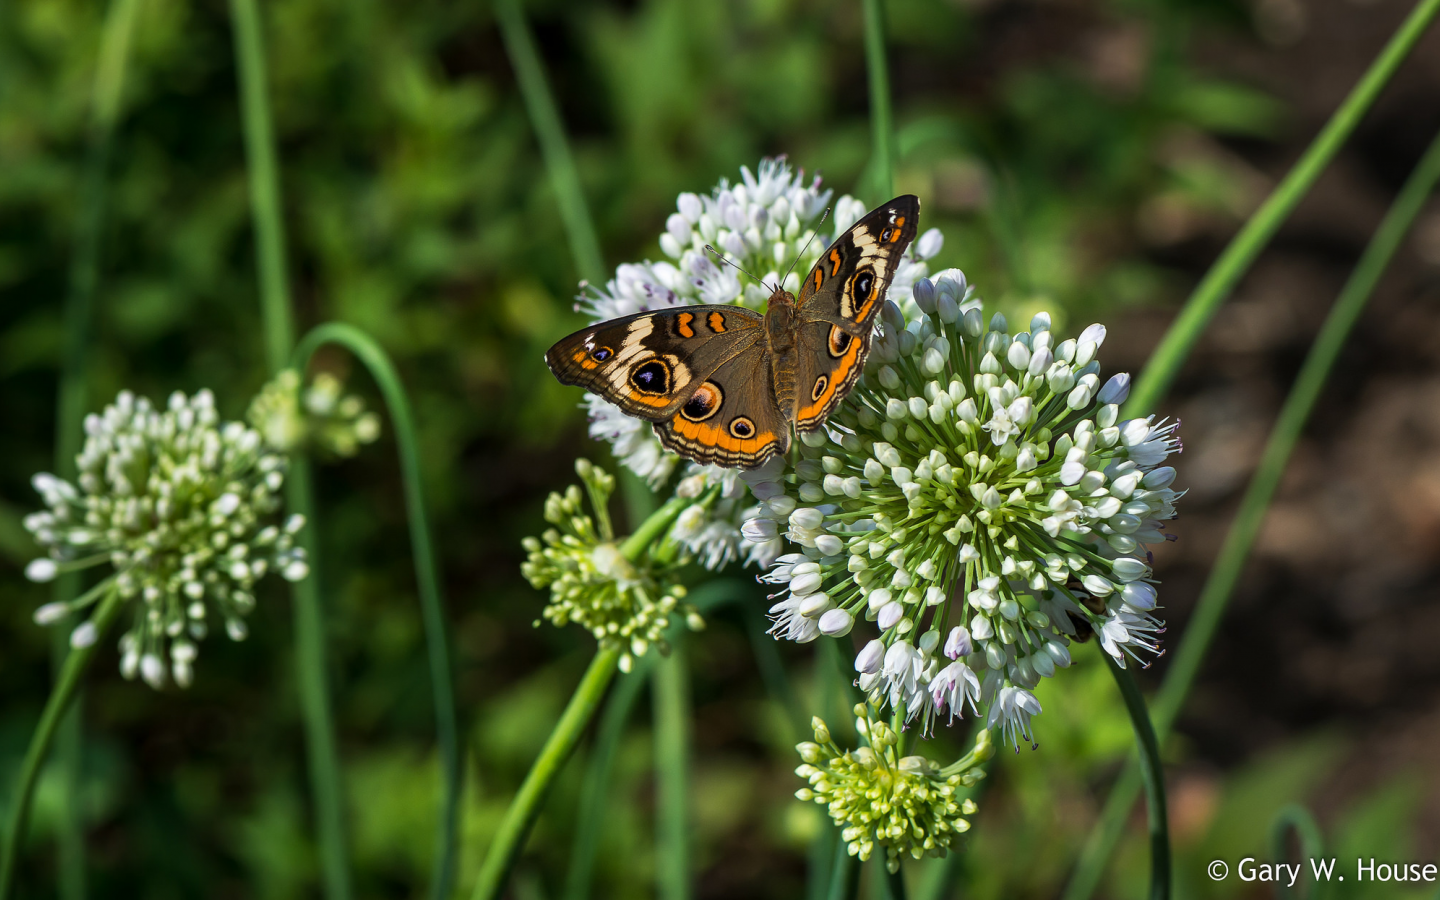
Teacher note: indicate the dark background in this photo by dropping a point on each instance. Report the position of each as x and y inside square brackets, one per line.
[1089, 157]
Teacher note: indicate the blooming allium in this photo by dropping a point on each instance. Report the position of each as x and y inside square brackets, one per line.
[322, 415]
[978, 498]
[184, 508]
[878, 798]
[762, 225]
[626, 604]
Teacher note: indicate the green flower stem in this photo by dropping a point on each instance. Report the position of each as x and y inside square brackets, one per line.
[311, 671]
[882, 123]
[592, 816]
[107, 93]
[1236, 549]
[845, 876]
[1153, 773]
[894, 882]
[670, 684]
[60, 697]
[550, 132]
[524, 809]
[1297, 818]
[432, 606]
[652, 528]
[264, 177]
[1232, 265]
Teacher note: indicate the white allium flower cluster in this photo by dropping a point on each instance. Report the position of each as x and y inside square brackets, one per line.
[906, 805]
[976, 488]
[321, 415]
[762, 224]
[184, 508]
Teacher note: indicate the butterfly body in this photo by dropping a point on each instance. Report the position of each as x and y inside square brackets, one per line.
[726, 385]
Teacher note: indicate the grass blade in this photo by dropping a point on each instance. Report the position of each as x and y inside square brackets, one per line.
[670, 686]
[882, 122]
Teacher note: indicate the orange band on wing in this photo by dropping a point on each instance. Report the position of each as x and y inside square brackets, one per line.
[716, 321]
[683, 325]
[658, 401]
[834, 262]
[839, 378]
[583, 358]
[819, 278]
[712, 436]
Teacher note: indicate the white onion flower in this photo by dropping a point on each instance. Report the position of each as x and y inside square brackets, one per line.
[185, 509]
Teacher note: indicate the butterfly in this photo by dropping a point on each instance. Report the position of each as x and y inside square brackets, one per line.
[725, 385]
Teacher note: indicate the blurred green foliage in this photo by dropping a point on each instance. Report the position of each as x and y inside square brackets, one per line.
[1072, 154]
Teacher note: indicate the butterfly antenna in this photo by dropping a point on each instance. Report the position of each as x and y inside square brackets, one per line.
[813, 235]
[731, 263]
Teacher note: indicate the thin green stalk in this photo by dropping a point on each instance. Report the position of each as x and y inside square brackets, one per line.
[894, 882]
[591, 817]
[311, 670]
[652, 528]
[882, 123]
[106, 97]
[1232, 265]
[60, 697]
[264, 179]
[550, 132]
[1153, 773]
[524, 809]
[1297, 818]
[432, 605]
[1236, 549]
[670, 686]
[845, 876]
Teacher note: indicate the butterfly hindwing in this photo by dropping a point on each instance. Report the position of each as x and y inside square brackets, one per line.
[650, 363]
[732, 418]
[838, 304]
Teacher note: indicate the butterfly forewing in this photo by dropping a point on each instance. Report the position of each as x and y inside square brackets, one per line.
[650, 363]
[838, 305]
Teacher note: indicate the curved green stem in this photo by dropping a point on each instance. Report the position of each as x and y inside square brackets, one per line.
[1153, 774]
[1223, 576]
[432, 607]
[670, 686]
[1232, 265]
[882, 123]
[1297, 818]
[525, 808]
[550, 132]
[60, 697]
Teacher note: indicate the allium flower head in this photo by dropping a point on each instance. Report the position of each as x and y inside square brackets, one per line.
[904, 805]
[626, 604]
[184, 508]
[980, 479]
[321, 415]
[762, 224]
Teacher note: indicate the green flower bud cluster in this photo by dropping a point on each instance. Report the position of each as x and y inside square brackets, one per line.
[903, 804]
[185, 509]
[321, 416]
[625, 603]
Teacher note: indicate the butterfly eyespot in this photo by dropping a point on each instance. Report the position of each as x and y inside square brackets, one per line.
[885, 235]
[651, 377]
[600, 354]
[864, 281]
[839, 341]
[742, 427]
[821, 384]
[704, 403]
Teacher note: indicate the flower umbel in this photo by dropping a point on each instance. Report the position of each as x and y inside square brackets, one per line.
[903, 804]
[626, 604]
[976, 488]
[321, 415]
[185, 509]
